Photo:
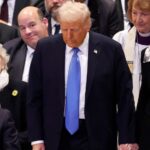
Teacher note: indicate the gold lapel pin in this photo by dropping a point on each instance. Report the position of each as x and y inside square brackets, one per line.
[14, 93]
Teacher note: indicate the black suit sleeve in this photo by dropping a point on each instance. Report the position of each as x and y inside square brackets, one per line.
[8, 131]
[126, 110]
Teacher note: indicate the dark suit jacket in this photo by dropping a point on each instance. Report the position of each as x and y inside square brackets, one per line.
[104, 16]
[17, 104]
[7, 33]
[109, 83]
[19, 4]
[17, 50]
[143, 107]
[8, 133]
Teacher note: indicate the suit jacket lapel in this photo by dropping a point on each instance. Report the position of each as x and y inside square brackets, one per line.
[92, 60]
[16, 65]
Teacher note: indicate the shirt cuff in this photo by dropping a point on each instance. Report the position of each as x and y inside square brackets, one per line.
[37, 142]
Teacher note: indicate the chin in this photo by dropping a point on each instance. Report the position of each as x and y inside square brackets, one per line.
[142, 31]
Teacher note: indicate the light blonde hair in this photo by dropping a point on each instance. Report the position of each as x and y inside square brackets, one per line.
[4, 56]
[72, 11]
[143, 5]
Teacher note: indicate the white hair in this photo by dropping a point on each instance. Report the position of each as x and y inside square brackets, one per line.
[73, 11]
[4, 56]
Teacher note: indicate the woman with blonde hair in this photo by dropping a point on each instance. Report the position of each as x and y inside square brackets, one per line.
[136, 39]
[135, 43]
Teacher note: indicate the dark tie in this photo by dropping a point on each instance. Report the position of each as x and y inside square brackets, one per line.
[4, 11]
[73, 94]
[57, 28]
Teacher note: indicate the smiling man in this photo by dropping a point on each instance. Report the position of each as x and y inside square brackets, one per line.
[32, 26]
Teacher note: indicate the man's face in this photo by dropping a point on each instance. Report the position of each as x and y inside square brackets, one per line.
[74, 32]
[52, 5]
[32, 27]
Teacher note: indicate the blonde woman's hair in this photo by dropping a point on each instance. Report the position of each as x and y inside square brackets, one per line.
[143, 5]
[4, 56]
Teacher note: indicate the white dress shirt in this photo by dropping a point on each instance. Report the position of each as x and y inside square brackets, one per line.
[53, 23]
[29, 56]
[11, 7]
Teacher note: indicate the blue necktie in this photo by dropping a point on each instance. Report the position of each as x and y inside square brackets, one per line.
[73, 94]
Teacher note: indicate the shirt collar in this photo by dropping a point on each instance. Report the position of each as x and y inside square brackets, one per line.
[30, 50]
[53, 22]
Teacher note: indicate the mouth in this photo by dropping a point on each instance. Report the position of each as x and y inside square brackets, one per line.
[55, 7]
[31, 37]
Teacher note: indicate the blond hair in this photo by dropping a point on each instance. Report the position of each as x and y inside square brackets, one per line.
[73, 11]
[143, 5]
[4, 56]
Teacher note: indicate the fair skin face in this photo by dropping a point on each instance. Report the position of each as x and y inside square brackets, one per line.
[74, 32]
[53, 5]
[31, 26]
[141, 20]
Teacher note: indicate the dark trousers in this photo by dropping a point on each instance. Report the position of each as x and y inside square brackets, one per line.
[77, 141]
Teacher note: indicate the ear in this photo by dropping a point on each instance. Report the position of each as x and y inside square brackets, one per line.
[88, 25]
[45, 21]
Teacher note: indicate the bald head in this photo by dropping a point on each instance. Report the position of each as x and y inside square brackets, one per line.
[30, 11]
[32, 25]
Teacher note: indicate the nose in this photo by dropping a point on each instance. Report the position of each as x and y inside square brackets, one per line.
[138, 18]
[68, 34]
[27, 30]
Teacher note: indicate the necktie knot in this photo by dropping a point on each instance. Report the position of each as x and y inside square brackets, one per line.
[57, 28]
[75, 50]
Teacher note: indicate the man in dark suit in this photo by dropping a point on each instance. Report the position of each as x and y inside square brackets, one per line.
[105, 18]
[32, 26]
[121, 7]
[104, 90]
